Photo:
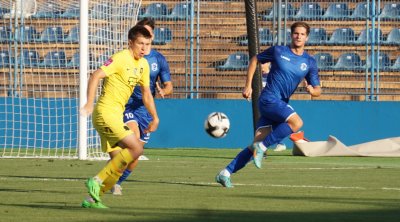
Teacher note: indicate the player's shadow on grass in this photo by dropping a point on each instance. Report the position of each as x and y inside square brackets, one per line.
[173, 183]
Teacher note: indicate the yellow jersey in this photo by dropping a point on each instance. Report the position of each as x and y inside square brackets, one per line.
[123, 73]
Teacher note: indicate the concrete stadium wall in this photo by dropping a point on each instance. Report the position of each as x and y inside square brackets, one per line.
[182, 122]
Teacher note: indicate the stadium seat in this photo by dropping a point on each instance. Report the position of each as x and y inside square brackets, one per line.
[47, 10]
[5, 34]
[265, 37]
[4, 11]
[162, 36]
[393, 37]
[73, 35]
[5, 58]
[360, 12]
[54, 59]
[52, 34]
[74, 62]
[309, 11]
[235, 61]
[269, 14]
[391, 11]
[396, 65]
[101, 36]
[179, 12]
[100, 11]
[342, 36]
[30, 58]
[283, 35]
[324, 61]
[155, 10]
[348, 61]
[336, 11]
[72, 12]
[99, 61]
[127, 11]
[26, 34]
[362, 38]
[317, 36]
[383, 62]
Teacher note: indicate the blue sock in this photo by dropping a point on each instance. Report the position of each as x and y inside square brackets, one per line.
[278, 134]
[240, 160]
[124, 176]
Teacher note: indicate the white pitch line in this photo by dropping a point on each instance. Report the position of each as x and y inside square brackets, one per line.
[213, 183]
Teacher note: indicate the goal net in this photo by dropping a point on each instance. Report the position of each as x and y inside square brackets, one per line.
[44, 59]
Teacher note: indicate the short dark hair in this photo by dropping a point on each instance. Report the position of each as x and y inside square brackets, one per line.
[300, 24]
[147, 21]
[137, 31]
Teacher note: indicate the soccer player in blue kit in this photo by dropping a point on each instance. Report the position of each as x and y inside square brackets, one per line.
[136, 116]
[289, 66]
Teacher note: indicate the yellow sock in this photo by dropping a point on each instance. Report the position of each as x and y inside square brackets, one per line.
[116, 166]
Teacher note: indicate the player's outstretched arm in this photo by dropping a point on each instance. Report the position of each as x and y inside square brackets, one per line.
[250, 73]
[148, 102]
[93, 83]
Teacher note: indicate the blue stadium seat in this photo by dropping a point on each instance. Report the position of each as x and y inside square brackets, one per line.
[99, 61]
[72, 12]
[235, 61]
[128, 10]
[324, 61]
[74, 62]
[309, 11]
[100, 11]
[284, 35]
[360, 12]
[162, 36]
[5, 34]
[26, 34]
[317, 36]
[382, 60]
[291, 11]
[391, 11]
[393, 37]
[348, 61]
[30, 58]
[73, 35]
[337, 11]
[5, 58]
[52, 34]
[3, 11]
[54, 59]
[47, 10]
[342, 36]
[179, 12]
[102, 36]
[265, 37]
[362, 38]
[396, 65]
[155, 10]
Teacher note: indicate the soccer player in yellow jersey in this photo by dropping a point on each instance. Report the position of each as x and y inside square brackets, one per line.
[121, 73]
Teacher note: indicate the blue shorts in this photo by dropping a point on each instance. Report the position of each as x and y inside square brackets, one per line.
[142, 117]
[273, 111]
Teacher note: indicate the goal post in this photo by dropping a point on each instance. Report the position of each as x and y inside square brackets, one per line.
[48, 50]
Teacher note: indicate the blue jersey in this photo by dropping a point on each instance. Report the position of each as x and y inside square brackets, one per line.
[135, 109]
[159, 69]
[287, 71]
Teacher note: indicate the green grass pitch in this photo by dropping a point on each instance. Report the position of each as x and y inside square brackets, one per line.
[178, 185]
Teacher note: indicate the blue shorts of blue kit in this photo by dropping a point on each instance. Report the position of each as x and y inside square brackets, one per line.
[273, 111]
[142, 117]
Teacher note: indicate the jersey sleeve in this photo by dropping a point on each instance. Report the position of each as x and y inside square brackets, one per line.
[266, 56]
[111, 66]
[165, 74]
[312, 76]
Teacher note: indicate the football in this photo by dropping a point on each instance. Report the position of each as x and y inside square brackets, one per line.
[217, 124]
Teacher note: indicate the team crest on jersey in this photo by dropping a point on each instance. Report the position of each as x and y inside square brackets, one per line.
[154, 67]
[108, 62]
[303, 66]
